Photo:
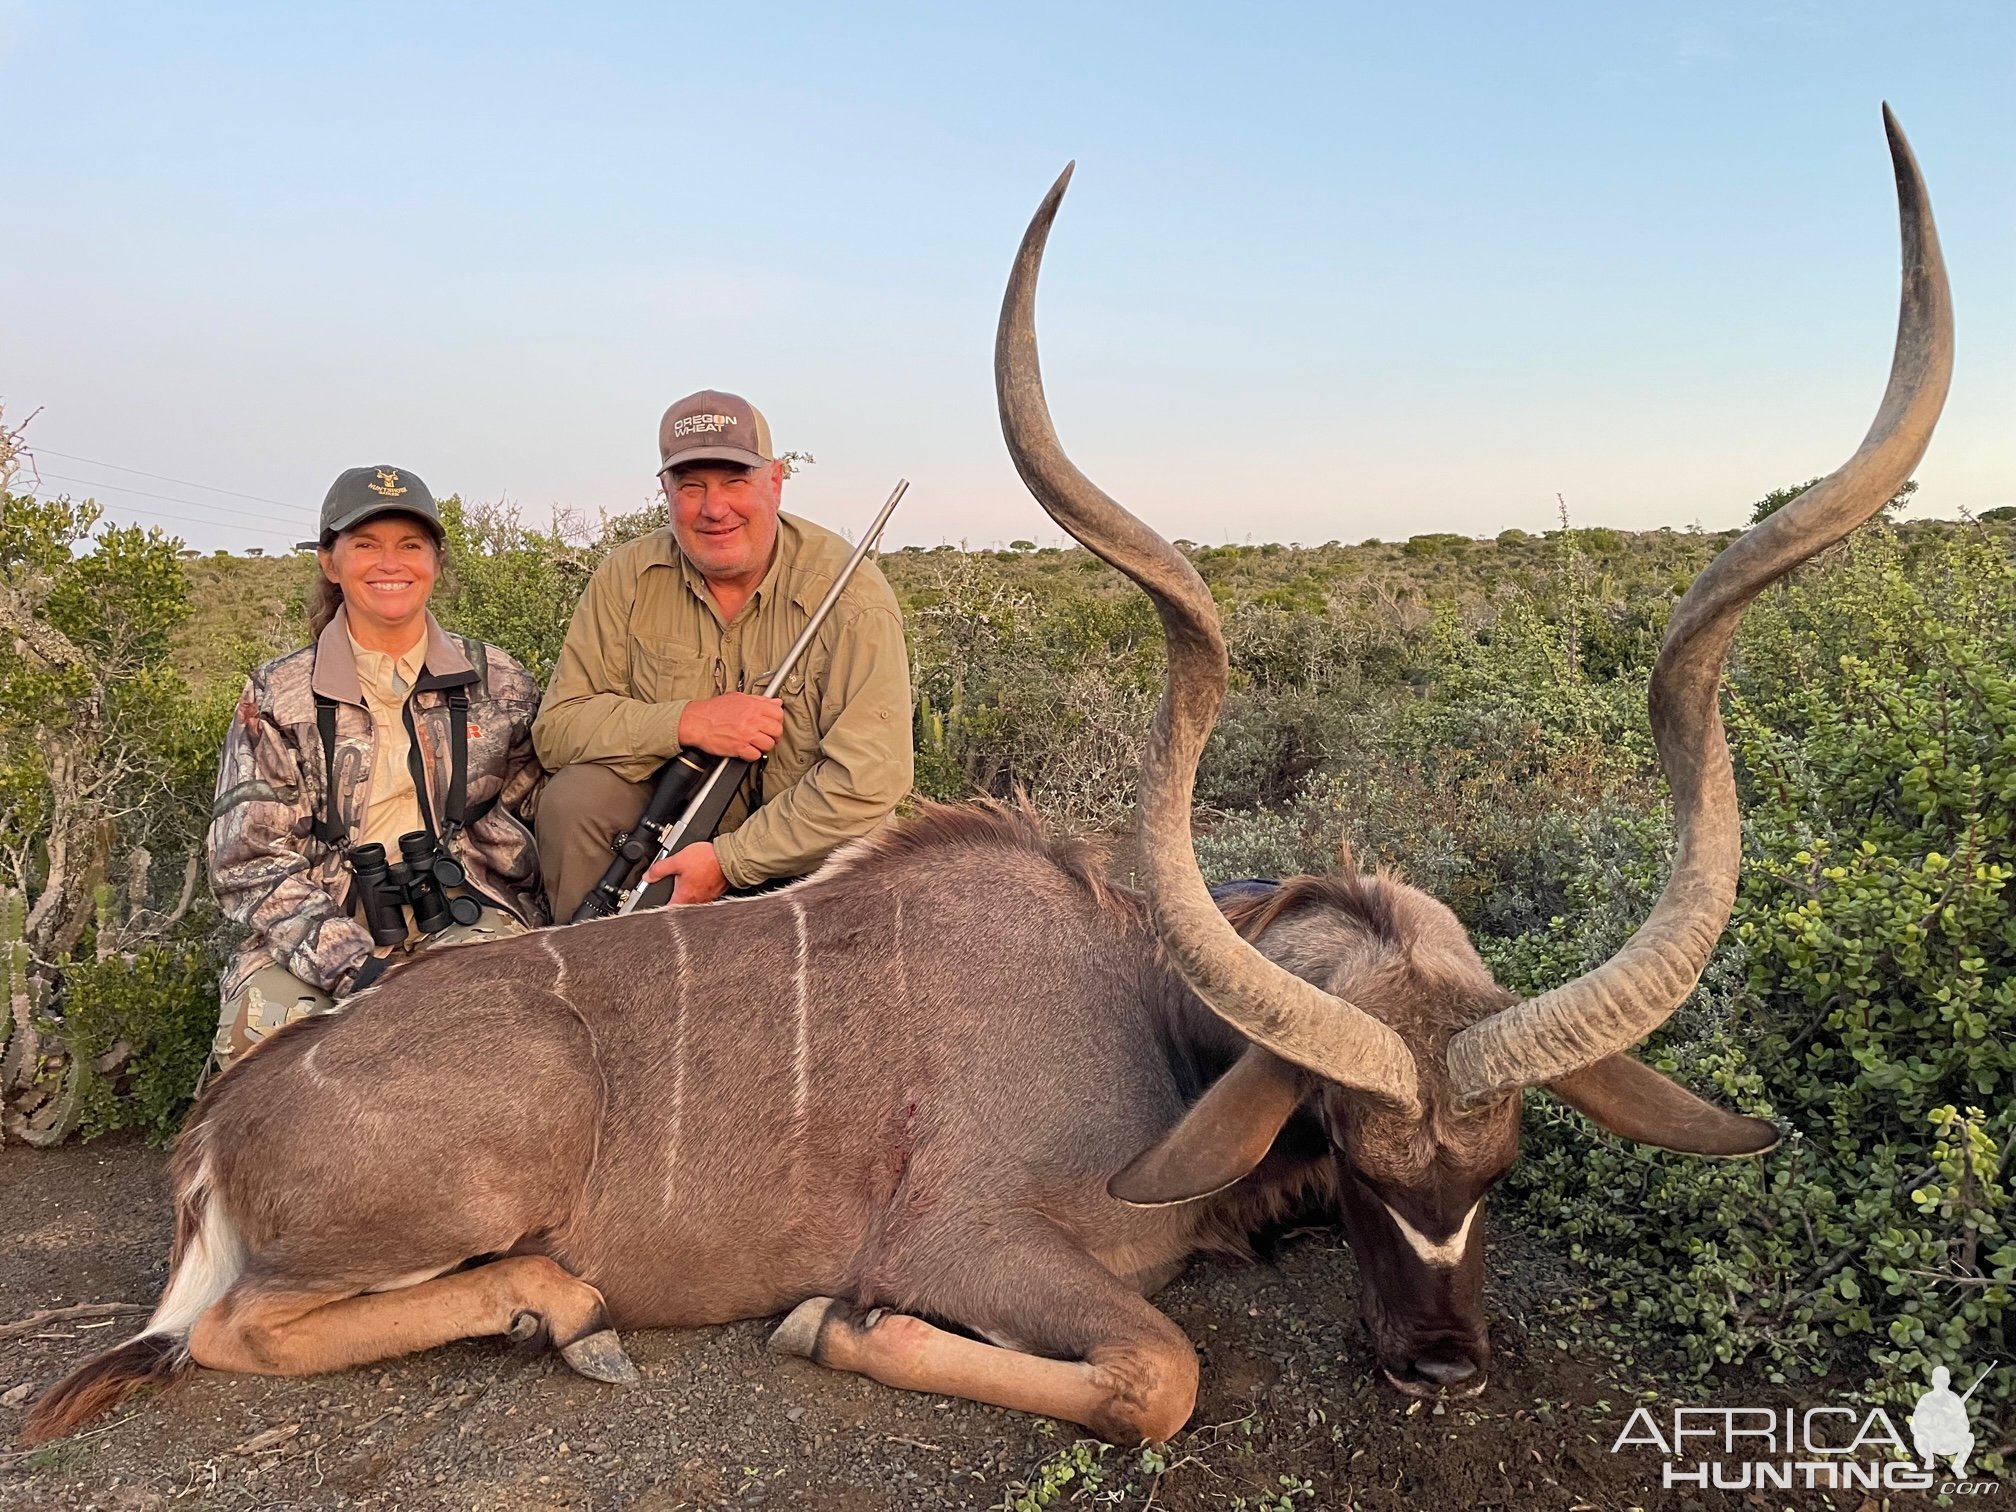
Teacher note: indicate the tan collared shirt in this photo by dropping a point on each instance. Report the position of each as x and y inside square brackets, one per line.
[392, 808]
[647, 638]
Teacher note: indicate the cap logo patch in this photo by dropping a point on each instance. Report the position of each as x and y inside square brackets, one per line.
[687, 425]
[388, 483]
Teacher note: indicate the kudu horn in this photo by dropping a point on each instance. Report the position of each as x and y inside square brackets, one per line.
[1297, 1021]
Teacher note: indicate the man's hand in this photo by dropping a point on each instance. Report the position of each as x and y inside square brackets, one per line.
[696, 868]
[744, 725]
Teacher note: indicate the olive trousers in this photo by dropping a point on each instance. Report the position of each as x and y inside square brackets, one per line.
[582, 810]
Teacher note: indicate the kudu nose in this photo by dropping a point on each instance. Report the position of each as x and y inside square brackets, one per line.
[1445, 1370]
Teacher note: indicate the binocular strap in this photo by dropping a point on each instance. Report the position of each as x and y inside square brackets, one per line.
[455, 814]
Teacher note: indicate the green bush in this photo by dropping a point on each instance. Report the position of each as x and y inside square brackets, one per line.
[107, 762]
[1048, 691]
[511, 585]
[1308, 690]
[161, 1007]
[1434, 544]
[1778, 498]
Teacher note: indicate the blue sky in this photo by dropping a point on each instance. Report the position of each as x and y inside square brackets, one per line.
[1324, 272]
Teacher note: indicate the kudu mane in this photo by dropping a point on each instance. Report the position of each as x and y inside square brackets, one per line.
[1408, 960]
[935, 830]
[1364, 900]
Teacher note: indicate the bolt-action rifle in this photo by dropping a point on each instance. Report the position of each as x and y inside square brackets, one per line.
[698, 786]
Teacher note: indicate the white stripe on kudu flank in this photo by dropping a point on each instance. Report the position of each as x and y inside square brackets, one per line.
[902, 969]
[559, 988]
[801, 1051]
[1444, 1252]
[672, 1131]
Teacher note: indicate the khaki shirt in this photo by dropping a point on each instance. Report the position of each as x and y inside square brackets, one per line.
[647, 638]
[393, 808]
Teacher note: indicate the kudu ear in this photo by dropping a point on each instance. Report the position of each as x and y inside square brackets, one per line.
[1226, 1133]
[1629, 1098]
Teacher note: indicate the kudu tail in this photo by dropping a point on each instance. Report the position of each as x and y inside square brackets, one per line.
[207, 1258]
[103, 1381]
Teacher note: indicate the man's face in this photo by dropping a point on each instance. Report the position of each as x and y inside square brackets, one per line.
[725, 517]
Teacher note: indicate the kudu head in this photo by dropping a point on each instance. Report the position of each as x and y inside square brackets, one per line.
[1362, 999]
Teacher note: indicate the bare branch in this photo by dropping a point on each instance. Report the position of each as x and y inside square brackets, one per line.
[37, 1321]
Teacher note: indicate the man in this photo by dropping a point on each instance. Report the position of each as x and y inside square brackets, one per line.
[678, 630]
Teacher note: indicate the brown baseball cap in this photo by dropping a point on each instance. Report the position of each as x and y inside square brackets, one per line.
[711, 426]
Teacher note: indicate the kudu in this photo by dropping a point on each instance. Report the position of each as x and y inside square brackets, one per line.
[956, 1075]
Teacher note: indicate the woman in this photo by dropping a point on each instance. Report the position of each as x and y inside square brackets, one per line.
[428, 738]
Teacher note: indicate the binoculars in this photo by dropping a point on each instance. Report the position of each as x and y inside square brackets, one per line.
[421, 878]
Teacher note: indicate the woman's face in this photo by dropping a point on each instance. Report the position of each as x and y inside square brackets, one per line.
[386, 568]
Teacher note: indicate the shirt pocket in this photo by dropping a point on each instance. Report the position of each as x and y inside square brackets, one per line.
[799, 747]
[664, 671]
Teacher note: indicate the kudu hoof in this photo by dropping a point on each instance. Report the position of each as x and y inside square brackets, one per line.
[798, 1334]
[600, 1357]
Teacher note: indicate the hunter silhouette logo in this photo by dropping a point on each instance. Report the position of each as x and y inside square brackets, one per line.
[388, 483]
[1939, 1426]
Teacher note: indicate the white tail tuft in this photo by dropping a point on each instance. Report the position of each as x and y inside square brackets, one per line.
[206, 1269]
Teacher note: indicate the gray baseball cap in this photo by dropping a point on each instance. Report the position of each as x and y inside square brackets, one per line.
[363, 492]
[711, 426]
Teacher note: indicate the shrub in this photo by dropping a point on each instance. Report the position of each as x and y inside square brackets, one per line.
[1051, 695]
[511, 585]
[140, 1029]
[1778, 498]
[1434, 544]
[1598, 541]
[1307, 692]
[107, 760]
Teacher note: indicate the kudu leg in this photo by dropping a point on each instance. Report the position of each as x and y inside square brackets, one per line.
[1126, 1371]
[263, 1328]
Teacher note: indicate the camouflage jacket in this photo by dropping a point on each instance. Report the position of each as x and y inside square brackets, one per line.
[290, 890]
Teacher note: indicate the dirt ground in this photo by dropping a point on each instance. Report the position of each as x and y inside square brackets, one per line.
[1291, 1414]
